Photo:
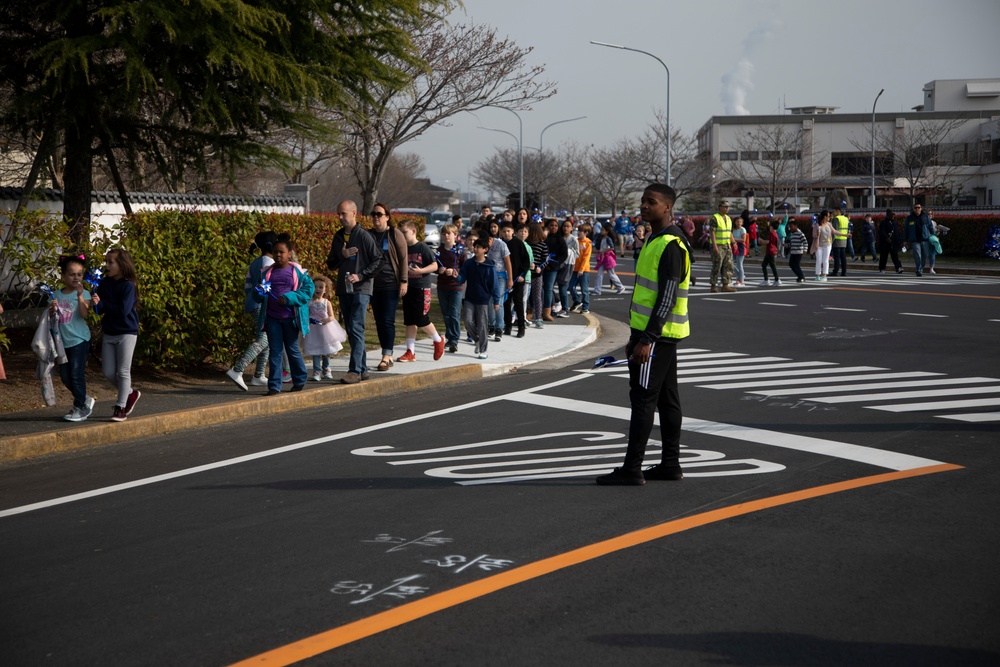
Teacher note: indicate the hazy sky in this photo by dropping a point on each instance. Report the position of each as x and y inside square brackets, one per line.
[725, 57]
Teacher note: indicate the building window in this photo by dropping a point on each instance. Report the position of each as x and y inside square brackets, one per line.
[793, 155]
[729, 156]
[750, 155]
[771, 155]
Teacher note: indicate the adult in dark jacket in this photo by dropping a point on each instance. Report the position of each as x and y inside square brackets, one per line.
[356, 259]
[917, 229]
[889, 242]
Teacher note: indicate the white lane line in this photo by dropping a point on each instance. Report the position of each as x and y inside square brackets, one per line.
[874, 385]
[690, 350]
[901, 395]
[762, 367]
[786, 305]
[924, 315]
[270, 452]
[714, 298]
[747, 360]
[846, 310]
[993, 320]
[800, 443]
[973, 417]
[711, 355]
[784, 381]
[937, 405]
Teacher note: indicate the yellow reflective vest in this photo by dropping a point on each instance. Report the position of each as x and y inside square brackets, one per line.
[840, 227]
[647, 276]
[723, 229]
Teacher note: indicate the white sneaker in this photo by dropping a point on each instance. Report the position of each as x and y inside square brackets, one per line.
[237, 378]
[777, 283]
[933, 271]
[562, 313]
[259, 381]
[327, 374]
[75, 415]
[556, 309]
[88, 406]
[316, 376]
[763, 283]
[482, 355]
[286, 377]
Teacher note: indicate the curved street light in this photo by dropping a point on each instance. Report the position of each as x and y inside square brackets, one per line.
[542, 134]
[629, 48]
[871, 195]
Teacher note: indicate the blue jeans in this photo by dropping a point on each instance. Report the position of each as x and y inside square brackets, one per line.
[354, 307]
[582, 281]
[919, 250]
[549, 276]
[384, 304]
[868, 246]
[451, 308]
[284, 335]
[74, 372]
[496, 316]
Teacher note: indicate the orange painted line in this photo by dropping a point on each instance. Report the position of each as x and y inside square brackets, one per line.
[898, 291]
[391, 618]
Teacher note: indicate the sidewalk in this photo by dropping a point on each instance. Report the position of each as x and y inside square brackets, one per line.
[160, 411]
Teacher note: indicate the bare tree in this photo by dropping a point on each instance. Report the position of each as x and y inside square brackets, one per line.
[917, 152]
[771, 160]
[467, 67]
[610, 177]
[647, 163]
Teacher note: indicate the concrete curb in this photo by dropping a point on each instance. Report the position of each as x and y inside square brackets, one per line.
[22, 447]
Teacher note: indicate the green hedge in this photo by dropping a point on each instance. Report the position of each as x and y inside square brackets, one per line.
[190, 267]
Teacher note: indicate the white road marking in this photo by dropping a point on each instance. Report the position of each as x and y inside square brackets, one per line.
[900, 395]
[938, 405]
[873, 385]
[683, 363]
[925, 315]
[762, 367]
[847, 310]
[786, 305]
[783, 379]
[842, 450]
[974, 417]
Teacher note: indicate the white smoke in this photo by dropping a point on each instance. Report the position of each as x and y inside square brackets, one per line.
[737, 82]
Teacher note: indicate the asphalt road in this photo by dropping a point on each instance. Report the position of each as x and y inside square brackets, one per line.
[838, 509]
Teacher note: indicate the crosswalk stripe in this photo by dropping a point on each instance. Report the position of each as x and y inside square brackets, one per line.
[748, 360]
[938, 405]
[874, 385]
[782, 379]
[897, 395]
[711, 355]
[973, 417]
[768, 367]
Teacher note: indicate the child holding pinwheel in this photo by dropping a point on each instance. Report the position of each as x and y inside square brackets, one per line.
[69, 308]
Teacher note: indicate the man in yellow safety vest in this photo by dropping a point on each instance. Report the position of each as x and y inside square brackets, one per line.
[722, 249]
[658, 319]
[841, 229]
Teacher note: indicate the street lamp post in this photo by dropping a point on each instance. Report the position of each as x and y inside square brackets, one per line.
[628, 48]
[871, 195]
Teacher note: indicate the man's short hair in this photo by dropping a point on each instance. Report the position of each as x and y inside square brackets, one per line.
[445, 229]
[481, 242]
[408, 224]
[455, 218]
[663, 189]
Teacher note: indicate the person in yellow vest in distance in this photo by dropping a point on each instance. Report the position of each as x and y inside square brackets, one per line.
[841, 225]
[658, 319]
[722, 249]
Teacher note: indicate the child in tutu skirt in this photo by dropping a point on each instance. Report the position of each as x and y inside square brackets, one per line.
[325, 336]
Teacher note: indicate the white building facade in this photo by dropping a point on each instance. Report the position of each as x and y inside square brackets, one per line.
[946, 151]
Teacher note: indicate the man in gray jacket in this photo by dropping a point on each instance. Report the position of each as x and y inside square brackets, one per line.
[356, 259]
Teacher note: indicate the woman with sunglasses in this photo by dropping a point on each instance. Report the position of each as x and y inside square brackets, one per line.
[389, 283]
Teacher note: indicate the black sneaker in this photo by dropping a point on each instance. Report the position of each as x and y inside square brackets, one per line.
[297, 387]
[273, 392]
[451, 347]
[619, 477]
[659, 472]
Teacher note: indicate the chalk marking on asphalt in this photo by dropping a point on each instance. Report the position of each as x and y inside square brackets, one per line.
[842, 450]
[323, 642]
[923, 315]
[264, 454]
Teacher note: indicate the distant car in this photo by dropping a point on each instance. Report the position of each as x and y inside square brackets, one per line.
[442, 218]
[432, 235]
